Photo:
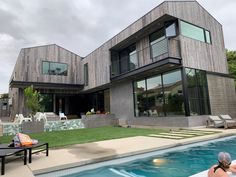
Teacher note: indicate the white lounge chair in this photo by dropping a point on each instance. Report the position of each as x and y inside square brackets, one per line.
[229, 121]
[20, 118]
[215, 121]
[62, 116]
[40, 116]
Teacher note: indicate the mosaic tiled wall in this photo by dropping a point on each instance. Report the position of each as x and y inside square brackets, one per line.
[12, 128]
[63, 125]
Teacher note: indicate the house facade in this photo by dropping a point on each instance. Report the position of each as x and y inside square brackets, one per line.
[168, 68]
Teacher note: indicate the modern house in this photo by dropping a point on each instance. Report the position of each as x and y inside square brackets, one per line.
[168, 68]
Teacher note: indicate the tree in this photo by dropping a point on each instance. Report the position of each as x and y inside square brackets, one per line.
[33, 99]
[231, 58]
[5, 95]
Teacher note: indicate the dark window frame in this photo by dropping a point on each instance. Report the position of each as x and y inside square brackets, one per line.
[50, 62]
[86, 74]
[163, 95]
[204, 32]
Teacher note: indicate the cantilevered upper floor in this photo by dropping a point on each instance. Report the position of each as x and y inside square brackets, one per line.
[175, 33]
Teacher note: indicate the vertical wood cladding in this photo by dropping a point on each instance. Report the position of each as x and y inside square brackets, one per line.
[195, 54]
[29, 65]
[222, 95]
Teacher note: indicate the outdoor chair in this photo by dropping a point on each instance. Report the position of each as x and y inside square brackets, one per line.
[214, 121]
[19, 118]
[32, 149]
[7, 152]
[229, 121]
[40, 116]
[62, 116]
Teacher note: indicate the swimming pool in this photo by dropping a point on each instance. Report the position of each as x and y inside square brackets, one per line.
[175, 162]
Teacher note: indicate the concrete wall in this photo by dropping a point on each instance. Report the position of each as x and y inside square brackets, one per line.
[99, 120]
[121, 97]
[163, 122]
[222, 95]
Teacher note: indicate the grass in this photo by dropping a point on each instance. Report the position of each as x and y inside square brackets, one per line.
[79, 136]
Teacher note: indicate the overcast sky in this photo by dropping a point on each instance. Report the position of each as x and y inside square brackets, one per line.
[81, 25]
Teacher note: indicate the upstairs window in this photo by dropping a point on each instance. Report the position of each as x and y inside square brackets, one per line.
[208, 36]
[170, 29]
[128, 59]
[195, 32]
[53, 68]
[86, 74]
[158, 44]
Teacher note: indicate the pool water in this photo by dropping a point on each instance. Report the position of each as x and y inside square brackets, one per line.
[179, 163]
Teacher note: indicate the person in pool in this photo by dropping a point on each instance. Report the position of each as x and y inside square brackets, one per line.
[224, 165]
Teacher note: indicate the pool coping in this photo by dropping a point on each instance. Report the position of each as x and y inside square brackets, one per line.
[93, 161]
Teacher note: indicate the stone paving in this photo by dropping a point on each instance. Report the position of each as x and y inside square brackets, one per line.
[82, 154]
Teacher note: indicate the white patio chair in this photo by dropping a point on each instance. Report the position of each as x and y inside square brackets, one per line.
[20, 118]
[62, 116]
[40, 116]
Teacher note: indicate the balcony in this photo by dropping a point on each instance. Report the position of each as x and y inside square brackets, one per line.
[157, 54]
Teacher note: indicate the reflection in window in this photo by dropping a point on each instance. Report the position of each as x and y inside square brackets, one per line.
[155, 96]
[171, 30]
[173, 91]
[47, 102]
[128, 59]
[140, 98]
[192, 31]
[158, 43]
[195, 32]
[53, 68]
[150, 100]
[197, 92]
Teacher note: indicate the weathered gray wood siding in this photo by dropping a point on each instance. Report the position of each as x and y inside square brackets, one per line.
[99, 60]
[222, 95]
[197, 54]
[28, 67]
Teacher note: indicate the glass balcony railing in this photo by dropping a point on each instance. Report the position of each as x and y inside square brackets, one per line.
[163, 49]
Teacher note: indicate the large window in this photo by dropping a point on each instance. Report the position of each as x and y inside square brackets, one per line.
[173, 92]
[195, 32]
[155, 96]
[140, 98]
[86, 74]
[197, 92]
[160, 95]
[47, 102]
[53, 68]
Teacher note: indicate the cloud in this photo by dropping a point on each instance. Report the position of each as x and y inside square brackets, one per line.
[80, 26]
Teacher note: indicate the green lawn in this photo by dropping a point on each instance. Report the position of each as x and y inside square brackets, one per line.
[69, 137]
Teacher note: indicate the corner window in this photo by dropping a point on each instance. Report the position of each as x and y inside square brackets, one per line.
[86, 74]
[171, 30]
[128, 59]
[53, 68]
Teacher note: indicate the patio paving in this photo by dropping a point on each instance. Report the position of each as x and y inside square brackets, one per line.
[81, 154]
